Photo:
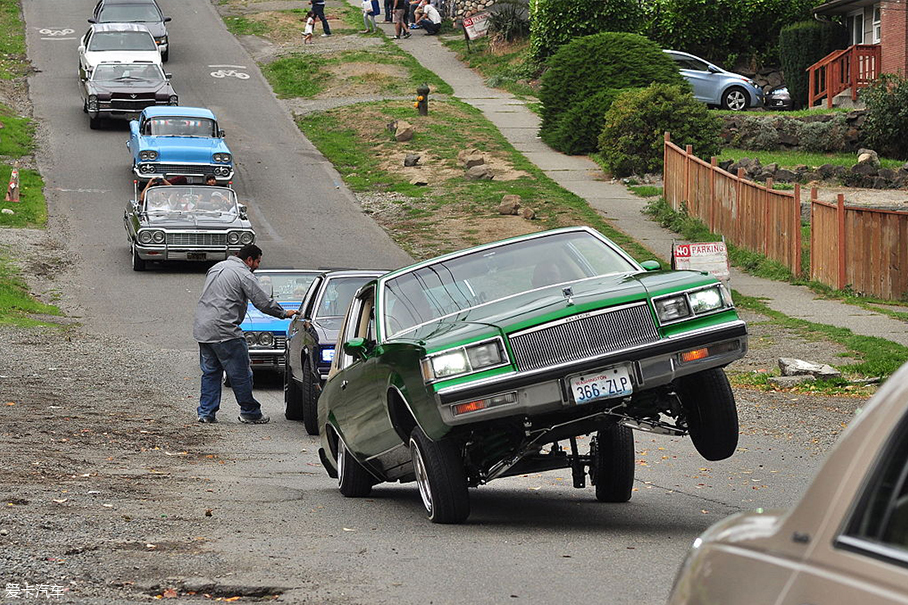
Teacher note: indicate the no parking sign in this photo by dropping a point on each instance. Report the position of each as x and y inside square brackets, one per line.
[709, 257]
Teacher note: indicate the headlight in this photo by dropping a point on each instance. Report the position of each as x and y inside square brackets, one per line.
[703, 301]
[266, 339]
[148, 155]
[233, 238]
[145, 237]
[158, 237]
[174, 100]
[672, 308]
[221, 171]
[222, 157]
[328, 354]
[92, 102]
[251, 338]
[147, 168]
[463, 360]
[246, 237]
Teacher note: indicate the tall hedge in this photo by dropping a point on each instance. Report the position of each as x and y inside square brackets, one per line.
[581, 81]
[725, 31]
[556, 22]
[803, 44]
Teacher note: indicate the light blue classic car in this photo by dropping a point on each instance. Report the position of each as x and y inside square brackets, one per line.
[266, 335]
[178, 141]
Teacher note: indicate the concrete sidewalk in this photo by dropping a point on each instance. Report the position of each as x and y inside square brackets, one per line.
[584, 178]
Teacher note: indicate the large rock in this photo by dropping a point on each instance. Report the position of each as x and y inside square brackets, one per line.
[868, 156]
[471, 157]
[864, 169]
[419, 180]
[799, 367]
[412, 159]
[403, 131]
[510, 204]
[528, 213]
[785, 176]
[480, 173]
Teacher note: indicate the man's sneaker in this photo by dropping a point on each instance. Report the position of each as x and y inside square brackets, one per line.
[208, 419]
[406, 34]
[257, 420]
[325, 35]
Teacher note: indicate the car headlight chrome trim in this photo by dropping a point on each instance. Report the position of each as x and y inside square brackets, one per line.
[260, 340]
[233, 238]
[467, 359]
[148, 155]
[247, 237]
[92, 102]
[222, 157]
[696, 302]
[149, 236]
[173, 100]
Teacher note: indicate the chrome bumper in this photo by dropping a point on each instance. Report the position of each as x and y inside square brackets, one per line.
[266, 359]
[165, 253]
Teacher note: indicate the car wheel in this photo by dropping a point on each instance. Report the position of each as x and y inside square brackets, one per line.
[441, 478]
[734, 99]
[84, 106]
[712, 417]
[293, 404]
[94, 123]
[352, 479]
[165, 56]
[137, 263]
[612, 463]
[310, 399]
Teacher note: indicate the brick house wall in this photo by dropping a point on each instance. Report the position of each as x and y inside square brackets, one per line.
[894, 38]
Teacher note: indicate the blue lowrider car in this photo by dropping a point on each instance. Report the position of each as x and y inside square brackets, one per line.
[178, 141]
[266, 335]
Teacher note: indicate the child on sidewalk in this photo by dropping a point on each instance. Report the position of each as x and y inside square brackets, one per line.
[368, 17]
[310, 24]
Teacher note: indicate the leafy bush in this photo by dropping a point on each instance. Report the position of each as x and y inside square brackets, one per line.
[508, 19]
[556, 22]
[582, 81]
[631, 140]
[724, 30]
[886, 121]
[803, 44]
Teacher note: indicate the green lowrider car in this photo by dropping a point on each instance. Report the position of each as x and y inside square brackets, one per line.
[479, 364]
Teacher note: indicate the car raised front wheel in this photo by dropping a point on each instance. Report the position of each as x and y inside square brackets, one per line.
[734, 99]
[441, 478]
[712, 416]
[137, 263]
[612, 463]
[94, 123]
[352, 479]
[309, 399]
[293, 405]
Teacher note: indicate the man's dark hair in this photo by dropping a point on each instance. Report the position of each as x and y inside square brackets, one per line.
[210, 177]
[249, 251]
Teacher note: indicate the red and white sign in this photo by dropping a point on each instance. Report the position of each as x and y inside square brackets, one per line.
[476, 26]
[709, 257]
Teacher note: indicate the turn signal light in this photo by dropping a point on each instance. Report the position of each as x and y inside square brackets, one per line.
[481, 404]
[473, 406]
[694, 355]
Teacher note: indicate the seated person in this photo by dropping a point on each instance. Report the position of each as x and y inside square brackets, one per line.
[547, 273]
[157, 201]
[220, 203]
[431, 18]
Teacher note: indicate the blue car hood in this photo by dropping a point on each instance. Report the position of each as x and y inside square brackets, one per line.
[260, 322]
[183, 149]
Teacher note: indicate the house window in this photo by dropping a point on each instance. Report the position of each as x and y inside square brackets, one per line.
[877, 29]
[855, 22]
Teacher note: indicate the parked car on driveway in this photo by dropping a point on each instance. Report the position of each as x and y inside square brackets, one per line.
[779, 98]
[122, 90]
[178, 141]
[715, 86]
[845, 542]
[192, 223]
[475, 365]
[312, 337]
[116, 43]
[266, 336]
[146, 12]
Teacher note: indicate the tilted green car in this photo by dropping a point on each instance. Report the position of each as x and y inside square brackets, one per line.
[474, 365]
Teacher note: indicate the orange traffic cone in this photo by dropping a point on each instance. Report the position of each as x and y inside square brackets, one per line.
[12, 192]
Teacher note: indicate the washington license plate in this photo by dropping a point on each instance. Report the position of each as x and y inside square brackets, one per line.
[196, 256]
[604, 384]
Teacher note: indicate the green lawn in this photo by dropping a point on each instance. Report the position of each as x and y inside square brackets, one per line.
[510, 69]
[16, 304]
[17, 135]
[13, 62]
[31, 211]
[790, 159]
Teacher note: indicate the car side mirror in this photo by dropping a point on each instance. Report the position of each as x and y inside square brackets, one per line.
[357, 348]
[167, 19]
[169, 76]
[243, 209]
[651, 265]
[712, 69]
[92, 21]
[222, 134]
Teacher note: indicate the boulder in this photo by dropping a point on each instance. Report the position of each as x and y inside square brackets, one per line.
[785, 176]
[480, 173]
[412, 159]
[726, 164]
[403, 131]
[419, 181]
[863, 169]
[510, 204]
[471, 157]
[799, 367]
[826, 171]
[528, 213]
[868, 156]
[787, 382]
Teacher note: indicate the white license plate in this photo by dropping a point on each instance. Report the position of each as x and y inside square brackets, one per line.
[196, 256]
[604, 384]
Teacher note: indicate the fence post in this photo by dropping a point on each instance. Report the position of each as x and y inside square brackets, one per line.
[796, 235]
[668, 192]
[737, 222]
[688, 151]
[840, 216]
[767, 201]
[711, 211]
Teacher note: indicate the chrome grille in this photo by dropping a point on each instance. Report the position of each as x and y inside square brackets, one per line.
[586, 337]
[131, 104]
[279, 341]
[194, 238]
[183, 168]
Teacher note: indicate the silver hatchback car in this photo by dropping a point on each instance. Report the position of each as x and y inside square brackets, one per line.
[715, 86]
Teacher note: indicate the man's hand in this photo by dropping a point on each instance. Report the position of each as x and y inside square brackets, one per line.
[291, 314]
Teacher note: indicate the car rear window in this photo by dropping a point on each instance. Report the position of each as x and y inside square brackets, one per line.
[139, 13]
[123, 41]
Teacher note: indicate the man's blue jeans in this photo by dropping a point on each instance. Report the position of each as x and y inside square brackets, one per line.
[319, 10]
[231, 356]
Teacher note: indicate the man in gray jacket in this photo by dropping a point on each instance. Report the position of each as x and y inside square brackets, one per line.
[229, 287]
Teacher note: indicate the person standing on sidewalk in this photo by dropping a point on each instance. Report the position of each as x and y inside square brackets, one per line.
[318, 7]
[389, 8]
[229, 287]
[400, 25]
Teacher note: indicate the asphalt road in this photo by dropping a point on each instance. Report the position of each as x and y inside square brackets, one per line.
[282, 522]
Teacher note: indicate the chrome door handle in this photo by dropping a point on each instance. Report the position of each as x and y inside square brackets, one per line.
[343, 384]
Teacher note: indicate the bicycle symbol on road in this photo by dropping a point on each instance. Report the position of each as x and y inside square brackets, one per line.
[230, 71]
[46, 31]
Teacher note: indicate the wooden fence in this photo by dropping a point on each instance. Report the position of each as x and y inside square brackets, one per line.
[864, 249]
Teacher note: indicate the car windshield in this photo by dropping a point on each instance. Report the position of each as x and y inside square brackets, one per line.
[337, 294]
[123, 72]
[690, 63]
[129, 13]
[180, 127]
[123, 41]
[286, 287]
[460, 283]
[166, 199]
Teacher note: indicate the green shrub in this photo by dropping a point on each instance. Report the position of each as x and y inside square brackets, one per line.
[579, 85]
[800, 46]
[824, 137]
[556, 22]
[729, 31]
[886, 121]
[509, 20]
[635, 124]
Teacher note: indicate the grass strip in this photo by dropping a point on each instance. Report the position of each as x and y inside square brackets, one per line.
[789, 159]
[13, 62]
[31, 210]
[17, 135]
[505, 66]
[16, 304]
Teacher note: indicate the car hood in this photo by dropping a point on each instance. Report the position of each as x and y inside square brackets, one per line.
[183, 149]
[258, 321]
[196, 221]
[119, 56]
[140, 88]
[547, 304]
